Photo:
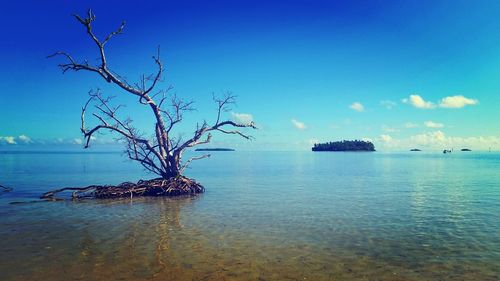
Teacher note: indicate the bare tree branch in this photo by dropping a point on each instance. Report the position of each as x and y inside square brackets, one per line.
[191, 160]
[162, 154]
[222, 105]
[118, 31]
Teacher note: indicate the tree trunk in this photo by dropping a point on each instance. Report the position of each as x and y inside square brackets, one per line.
[161, 154]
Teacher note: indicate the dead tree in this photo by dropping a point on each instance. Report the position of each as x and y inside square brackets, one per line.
[162, 153]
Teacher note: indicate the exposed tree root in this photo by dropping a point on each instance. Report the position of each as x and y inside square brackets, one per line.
[155, 187]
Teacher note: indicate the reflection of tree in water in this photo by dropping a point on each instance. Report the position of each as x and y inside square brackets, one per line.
[168, 220]
[131, 242]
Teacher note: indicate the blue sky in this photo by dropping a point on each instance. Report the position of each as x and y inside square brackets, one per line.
[401, 73]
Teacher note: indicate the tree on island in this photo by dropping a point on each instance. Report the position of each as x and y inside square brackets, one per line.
[345, 145]
[161, 154]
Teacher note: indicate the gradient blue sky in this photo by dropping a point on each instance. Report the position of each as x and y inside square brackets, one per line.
[287, 61]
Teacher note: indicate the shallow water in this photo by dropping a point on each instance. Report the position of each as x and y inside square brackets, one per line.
[265, 216]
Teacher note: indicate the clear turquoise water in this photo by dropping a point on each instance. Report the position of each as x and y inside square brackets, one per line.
[264, 216]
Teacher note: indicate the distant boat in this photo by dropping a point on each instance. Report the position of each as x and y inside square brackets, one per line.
[415, 149]
[465, 149]
[446, 151]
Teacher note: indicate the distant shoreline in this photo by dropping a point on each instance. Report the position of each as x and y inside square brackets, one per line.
[56, 152]
[214, 149]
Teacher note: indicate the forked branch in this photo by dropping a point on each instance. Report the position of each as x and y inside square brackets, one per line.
[160, 154]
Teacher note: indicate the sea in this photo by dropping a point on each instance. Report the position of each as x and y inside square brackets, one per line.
[264, 216]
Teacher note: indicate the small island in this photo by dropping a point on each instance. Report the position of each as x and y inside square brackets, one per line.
[214, 149]
[345, 145]
[465, 149]
[415, 149]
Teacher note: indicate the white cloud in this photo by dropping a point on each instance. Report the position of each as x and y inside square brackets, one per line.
[242, 118]
[299, 125]
[24, 139]
[357, 106]
[388, 104]
[456, 102]
[385, 138]
[437, 140]
[313, 141]
[77, 141]
[430, 124]
[388, 129]
[8, 140]
[418, 102]
[428, 138]
[410, 125]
